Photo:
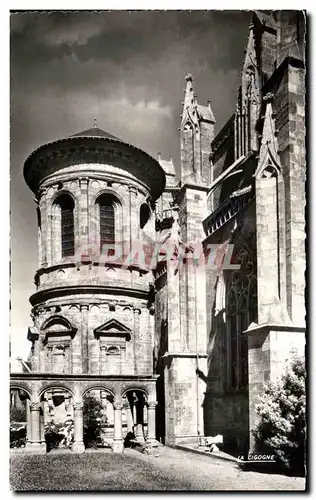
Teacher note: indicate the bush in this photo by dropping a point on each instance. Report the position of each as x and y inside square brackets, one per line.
[59, 433]
[17, 435]
[93, 421]
[281, 429]
[53, 435]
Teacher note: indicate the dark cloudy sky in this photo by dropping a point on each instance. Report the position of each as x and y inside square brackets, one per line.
[124, 68]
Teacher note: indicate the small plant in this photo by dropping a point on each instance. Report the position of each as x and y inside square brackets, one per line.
[282, 427]
[94, 421]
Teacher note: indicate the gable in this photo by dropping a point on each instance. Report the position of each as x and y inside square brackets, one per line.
[113, 328]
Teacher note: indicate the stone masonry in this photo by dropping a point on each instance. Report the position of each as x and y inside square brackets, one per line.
[178, 337]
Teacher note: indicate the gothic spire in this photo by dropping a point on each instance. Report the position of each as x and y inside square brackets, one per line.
[188, 92]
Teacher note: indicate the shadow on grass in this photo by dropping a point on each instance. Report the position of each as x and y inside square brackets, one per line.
[272, 468]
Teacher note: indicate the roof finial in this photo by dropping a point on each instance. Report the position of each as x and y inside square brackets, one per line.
[95, 123]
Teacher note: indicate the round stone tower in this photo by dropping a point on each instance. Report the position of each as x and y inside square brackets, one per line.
[92, 309]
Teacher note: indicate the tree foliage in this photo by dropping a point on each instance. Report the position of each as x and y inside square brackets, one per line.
[18, 414]
[281, 430]
[93, 420]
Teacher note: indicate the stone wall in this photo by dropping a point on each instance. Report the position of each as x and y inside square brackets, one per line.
[134, 355]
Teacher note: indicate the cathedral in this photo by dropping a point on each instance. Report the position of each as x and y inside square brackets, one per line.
[174, 292]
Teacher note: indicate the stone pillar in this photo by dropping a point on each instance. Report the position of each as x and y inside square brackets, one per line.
[84, 338]
[152, 445]
[267, 245]
[35, 444]
[28, 422]
[78, 446]
[269, 352]
[151, 421]
[118, 444]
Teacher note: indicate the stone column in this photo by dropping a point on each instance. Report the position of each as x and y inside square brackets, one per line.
[151, 421]
[118, 444]
[35, 445]
[269, 352]
[28, 422]
[78, 446]
[84, 338]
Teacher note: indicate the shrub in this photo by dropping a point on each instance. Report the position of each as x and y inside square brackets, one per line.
[93, 421]
[17, 435]
[59, 433]
[53, 435]
[281, 429]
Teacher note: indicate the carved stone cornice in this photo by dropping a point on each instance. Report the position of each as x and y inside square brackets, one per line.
[41, 296]
[54, 156]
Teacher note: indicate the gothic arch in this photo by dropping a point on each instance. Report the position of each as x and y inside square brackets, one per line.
[241, 311]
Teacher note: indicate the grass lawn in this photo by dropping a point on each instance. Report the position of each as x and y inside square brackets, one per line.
[90, 471]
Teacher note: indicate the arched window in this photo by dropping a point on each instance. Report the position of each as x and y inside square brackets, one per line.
[241, 310]
[107, 206]
[64, 224]
[144, 215]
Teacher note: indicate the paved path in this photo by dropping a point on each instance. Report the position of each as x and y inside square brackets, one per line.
[209, 473]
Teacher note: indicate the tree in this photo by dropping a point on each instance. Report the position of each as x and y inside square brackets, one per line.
[282, 427]
[18, 414]
[93, 420]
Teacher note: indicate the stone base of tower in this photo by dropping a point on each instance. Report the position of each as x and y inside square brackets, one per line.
[270, 348]
[185, 386]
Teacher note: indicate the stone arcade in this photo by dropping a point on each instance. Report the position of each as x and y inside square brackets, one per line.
[178, 349]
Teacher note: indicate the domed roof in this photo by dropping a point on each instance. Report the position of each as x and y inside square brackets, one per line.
[93, 145]
[96, 132]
